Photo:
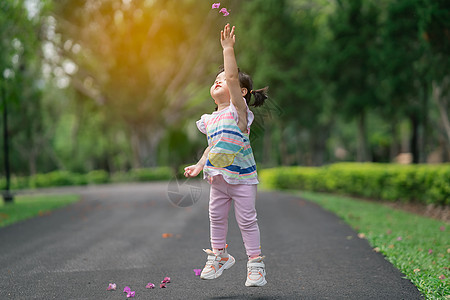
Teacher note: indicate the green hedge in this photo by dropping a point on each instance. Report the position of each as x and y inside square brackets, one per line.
[66, 178]
[410, 183]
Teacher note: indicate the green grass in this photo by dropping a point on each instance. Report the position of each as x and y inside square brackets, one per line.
[25, 207]
[416, 245]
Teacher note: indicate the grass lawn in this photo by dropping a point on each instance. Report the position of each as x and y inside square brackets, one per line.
[25, 207]
[416, 245]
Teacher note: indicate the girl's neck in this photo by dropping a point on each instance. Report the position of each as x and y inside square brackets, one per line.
[222, 106]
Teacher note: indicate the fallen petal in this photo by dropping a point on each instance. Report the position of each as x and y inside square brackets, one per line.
[127, 289]
[131, 294]
[442, 277]
[399, 238]
[226, 14]
[198, 272]
[361, 235]
[377, 249]
[162, 285]
[166, 280]
[430, 251]
[112, 287]
[150, 286]
[416, 270]
[216, 5]
[442, 228]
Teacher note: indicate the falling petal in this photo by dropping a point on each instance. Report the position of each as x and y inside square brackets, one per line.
[127, 289]
[430, 251]
[131, 294]
[224, 11]
[197, 272]
[162, 285]
[112, 287]
[399, 238]
[216, 5]
[150, 286]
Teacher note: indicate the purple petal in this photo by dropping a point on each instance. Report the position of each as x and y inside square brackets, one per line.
[215, 5]
[150, 286]
[131, 294]
[127, 289]
[198, 272]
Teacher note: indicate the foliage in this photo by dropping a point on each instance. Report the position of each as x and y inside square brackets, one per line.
[67, 178]
[416, 245]
[415, 183]
[25, 207]
[113, 85]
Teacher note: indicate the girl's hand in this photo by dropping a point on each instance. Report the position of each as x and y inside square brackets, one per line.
[193, 170]
[227, 37]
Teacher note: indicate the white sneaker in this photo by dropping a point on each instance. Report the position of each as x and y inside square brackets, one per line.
[256, 272]
[216, 264]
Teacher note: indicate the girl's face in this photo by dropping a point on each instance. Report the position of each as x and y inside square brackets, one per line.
[219, 90]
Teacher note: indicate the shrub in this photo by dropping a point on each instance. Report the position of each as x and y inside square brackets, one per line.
[98, 176]
[151, 174]
[420, 183]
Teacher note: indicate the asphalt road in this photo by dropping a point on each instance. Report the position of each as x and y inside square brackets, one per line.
[115, 234]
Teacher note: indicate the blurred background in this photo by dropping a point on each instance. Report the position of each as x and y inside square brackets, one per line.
[117, 85]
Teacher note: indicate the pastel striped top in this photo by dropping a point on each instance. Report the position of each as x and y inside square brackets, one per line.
[231, 154]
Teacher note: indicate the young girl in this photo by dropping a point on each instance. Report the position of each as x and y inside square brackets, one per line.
[229, 166]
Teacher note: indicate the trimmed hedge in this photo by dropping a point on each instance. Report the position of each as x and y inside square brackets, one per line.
[66, 178]
[410, 183]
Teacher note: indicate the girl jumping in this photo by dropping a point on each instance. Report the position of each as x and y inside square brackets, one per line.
[230, 167]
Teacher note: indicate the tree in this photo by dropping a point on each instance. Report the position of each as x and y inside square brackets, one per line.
[141, 61]
[353, 69]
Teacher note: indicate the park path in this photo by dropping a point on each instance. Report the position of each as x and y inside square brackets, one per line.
[115, 234]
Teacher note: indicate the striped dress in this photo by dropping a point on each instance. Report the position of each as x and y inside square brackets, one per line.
[228, 141]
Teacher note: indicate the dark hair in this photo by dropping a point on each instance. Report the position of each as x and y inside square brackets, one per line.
[245, 81]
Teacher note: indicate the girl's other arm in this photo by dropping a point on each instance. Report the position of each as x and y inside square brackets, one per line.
[194, 170]
[228, 39]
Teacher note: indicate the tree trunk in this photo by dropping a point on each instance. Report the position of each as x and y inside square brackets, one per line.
[267, 142]
[394, 147]
[144, 142]
[361, 151]
[415, 138]
[443, 112]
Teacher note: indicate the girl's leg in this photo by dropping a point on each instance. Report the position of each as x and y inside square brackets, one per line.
[219, 206]
[244, 197]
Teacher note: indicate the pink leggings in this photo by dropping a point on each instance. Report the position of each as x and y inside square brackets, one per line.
[244, 196]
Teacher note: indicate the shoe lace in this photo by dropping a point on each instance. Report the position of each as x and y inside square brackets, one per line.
[255, 269]
[211, 259]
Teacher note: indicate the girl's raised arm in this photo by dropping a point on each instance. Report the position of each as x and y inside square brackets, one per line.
[227, 39]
